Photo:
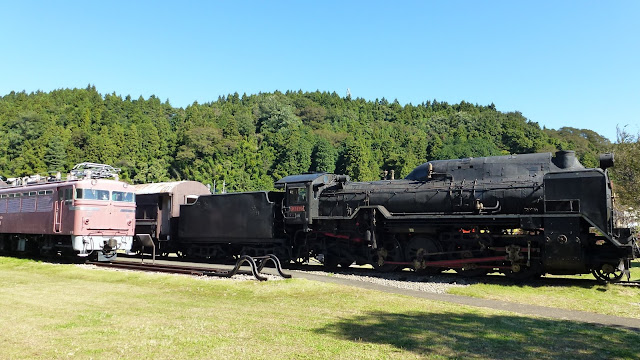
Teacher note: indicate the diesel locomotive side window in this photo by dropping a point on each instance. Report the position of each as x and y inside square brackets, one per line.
[123, 196]
[65, 194]
[91, 194]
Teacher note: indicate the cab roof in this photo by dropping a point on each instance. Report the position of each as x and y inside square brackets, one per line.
[315, 178]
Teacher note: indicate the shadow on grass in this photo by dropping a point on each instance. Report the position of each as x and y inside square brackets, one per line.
[487, 336]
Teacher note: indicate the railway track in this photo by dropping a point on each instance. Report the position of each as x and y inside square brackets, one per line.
[208, 269]
[452, 277]
[256, 267]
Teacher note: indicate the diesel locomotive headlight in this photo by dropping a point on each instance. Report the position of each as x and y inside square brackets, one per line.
[111, 244]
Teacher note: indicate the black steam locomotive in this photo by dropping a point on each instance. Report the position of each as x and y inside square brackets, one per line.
[522, 215]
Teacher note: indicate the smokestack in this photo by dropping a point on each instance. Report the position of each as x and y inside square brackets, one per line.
[566, 159]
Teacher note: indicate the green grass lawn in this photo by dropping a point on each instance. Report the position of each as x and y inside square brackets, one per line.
[70, 312]
[604, 299]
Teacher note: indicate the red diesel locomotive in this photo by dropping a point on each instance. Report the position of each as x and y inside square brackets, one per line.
[84, 215]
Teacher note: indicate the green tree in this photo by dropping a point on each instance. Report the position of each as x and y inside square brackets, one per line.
[324, 156]
[626, 171]
[357, 160]
[56, 156]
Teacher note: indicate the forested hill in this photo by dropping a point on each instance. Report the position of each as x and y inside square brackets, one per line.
[251, 140]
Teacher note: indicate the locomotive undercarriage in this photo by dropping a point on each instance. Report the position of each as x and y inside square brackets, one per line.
[49, 246]
[36, 245]
[469, 250]
[220, 250]
[515, 256]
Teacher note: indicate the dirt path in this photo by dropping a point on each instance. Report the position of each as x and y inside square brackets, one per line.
[532, 310]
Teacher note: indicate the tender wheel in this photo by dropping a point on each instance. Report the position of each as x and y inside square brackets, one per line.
[390, 251]
[608, 273]
[421, 248]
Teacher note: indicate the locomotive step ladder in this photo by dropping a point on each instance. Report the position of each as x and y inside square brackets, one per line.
[147, 241]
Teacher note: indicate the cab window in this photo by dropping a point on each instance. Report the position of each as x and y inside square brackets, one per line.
[123, 196]
[92, 194]
[297, 195]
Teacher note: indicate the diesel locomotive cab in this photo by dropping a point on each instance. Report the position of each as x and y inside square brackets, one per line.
[90, 202]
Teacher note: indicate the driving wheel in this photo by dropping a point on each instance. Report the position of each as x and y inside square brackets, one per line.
[422, 249]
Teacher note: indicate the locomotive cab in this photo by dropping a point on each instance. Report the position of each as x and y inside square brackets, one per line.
[301, 205]
[297, 203]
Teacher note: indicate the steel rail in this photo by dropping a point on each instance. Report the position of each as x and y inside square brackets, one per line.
[256, 267]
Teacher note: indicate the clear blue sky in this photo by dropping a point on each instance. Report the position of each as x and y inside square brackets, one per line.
[560, 63]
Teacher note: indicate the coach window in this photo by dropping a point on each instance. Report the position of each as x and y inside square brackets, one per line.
[190, 199]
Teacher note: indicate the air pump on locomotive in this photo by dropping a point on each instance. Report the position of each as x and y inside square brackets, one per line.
[522, 215]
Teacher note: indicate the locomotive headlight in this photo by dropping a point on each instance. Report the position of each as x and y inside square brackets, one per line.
[86, 221]
[606, 161]
[129, 222]
[111, 244]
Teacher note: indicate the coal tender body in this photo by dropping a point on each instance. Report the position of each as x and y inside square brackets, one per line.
[223, 226]
[522, 215]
